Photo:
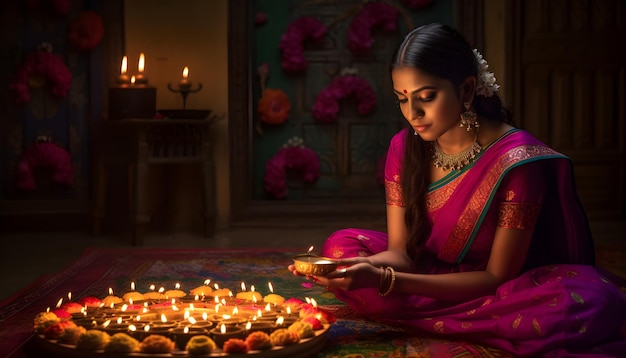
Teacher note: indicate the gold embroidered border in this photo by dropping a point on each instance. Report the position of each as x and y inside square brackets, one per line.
[461, 233]
[518, 215]
[393, 193]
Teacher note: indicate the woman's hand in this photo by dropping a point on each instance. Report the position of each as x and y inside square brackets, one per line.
[359, 275]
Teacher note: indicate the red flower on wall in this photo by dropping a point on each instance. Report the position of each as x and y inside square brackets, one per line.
[86, 31]
[274, 107]
[41, 68]
[291, 43]
[374, 14]
[44, 155]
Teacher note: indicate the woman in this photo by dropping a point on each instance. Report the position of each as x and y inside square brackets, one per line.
[486, 238]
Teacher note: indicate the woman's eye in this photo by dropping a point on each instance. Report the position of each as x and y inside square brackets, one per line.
[402, 100]
[428, 98]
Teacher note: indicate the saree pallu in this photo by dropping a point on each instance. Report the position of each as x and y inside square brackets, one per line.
[560, 301]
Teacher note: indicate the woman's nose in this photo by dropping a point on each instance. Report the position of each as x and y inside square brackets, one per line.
[416, 112]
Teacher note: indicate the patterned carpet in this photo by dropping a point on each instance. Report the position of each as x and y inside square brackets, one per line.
[100, 269]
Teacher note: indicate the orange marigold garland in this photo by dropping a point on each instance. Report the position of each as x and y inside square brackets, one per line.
[274, 107]
[41, 68]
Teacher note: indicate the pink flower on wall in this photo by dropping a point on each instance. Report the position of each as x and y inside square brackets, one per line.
[292, 42]
[295, 157]
[417, 4]
[326, 106]
[374, 14]
[41, 68]
[86, 31]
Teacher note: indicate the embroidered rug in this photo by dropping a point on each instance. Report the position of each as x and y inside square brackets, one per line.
[99, 270]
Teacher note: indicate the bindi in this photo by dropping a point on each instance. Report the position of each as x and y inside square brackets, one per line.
[404, 91]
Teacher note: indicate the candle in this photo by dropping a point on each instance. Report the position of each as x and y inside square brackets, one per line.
[182, 335]
[224, 333]
[140, 78]
[184, 82]
[123, 79]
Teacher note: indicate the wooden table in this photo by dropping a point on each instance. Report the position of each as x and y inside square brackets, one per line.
[140, 143]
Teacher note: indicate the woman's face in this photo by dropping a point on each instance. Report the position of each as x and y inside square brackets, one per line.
[429, 104]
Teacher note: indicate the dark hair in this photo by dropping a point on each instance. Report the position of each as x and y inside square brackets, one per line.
[440, 51]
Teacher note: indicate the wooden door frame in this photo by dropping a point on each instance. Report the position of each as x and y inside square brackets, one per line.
[468, 18]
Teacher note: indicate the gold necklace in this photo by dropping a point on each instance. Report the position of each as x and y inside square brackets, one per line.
[455, 161]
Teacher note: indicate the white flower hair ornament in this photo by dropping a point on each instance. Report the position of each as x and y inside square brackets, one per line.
[486, 85]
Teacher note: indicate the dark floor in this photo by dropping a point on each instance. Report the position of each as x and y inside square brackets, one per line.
[24, 257]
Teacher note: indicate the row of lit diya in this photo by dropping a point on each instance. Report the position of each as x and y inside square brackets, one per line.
[232, 323]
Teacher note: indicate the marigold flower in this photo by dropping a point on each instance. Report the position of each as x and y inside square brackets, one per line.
[274, 107]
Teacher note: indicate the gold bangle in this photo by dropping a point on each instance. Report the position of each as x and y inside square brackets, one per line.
[391, 283]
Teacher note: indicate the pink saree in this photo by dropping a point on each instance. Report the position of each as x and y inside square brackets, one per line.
[559, 305]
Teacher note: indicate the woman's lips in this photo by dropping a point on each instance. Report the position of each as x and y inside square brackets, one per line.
[420, 128]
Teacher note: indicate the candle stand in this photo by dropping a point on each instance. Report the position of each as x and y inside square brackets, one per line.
[184, 90]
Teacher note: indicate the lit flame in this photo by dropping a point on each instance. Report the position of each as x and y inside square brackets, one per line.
[223, 328]
[288, 310]
[207, 282]
[124, 66]
[130, 300]
[161, 290]
[124, 307]
[146, 328]
[106, 323]
[310, 249]
[110, 291]
[243, 286]
[163, 318]
[132, 79]
[69, 296]
[192, 320]
[259, 313]
[268, 307]
[152, 287]
[142, 63]
[313, 302]
[177, 286]
[269, 284]
[248, 325]
[252, 288]
[60, 302]
[191, 307]
[132, 328]
[205, 316]
[186, 73]
[186, 330]
[217, 287]
[280, 320]
[132, 286]
[226, 316]
[235, 311]
[119, 320]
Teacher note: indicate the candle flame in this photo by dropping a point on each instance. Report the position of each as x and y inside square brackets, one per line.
[132, 328]
[132, 79]
[269, 284]
[186, 330]
[60, 302]
[186, 73]
[223, 328]
[192, 307]
[268, 307]
[177, 286]
[163, 318]
[280, 320]
[254, 299]
[252, 288]
[288, 310]
[259, 313]
[124, 66]
[124, 307]
[130, 300]
[132, 286]
[243, 286]
[226, 316]
[310, 249]
[69, 296]
[142, 63]
[217, 287]
[314, 302]
[192, 320]
[146, 328]
[152, 287]
[119, 320]
[248, 325]
[235, 311]
[106, 323]
[162, 289]
[205, 316]
[207, 281]
[110, 291]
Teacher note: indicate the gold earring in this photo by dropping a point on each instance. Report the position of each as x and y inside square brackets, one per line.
[469, 118]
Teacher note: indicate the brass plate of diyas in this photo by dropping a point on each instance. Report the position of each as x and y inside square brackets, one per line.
[313, 265]
[306, 347]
